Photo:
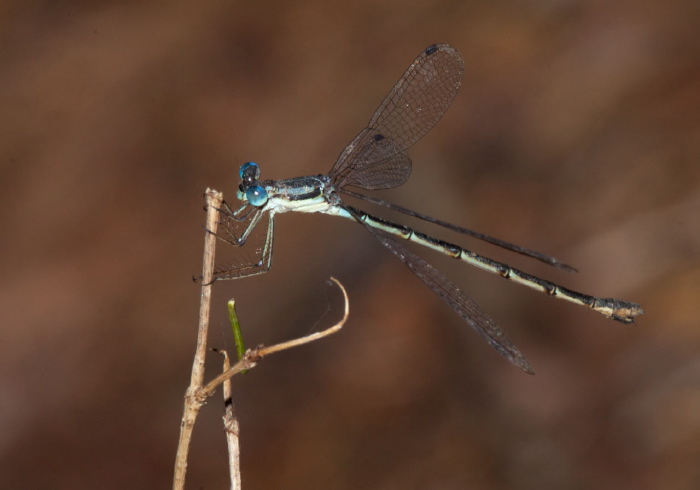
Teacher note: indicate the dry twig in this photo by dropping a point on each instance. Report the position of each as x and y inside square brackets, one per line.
[192, 401]
[196, 394]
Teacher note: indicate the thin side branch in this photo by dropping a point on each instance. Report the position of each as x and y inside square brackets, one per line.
[252, 356]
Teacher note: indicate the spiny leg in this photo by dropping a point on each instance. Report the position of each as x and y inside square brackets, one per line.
[231, 223]
[238, 214]
[232, 271]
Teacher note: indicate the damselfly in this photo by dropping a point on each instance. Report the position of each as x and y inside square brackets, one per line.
[377, 159]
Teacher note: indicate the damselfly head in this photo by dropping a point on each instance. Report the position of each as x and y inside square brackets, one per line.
[249, 190]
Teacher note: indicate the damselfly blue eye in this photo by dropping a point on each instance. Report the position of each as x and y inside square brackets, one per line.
[256, 195]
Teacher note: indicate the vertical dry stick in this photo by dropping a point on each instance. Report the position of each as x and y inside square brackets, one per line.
[192, 402]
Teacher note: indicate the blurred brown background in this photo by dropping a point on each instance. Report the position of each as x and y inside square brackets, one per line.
[576, 133]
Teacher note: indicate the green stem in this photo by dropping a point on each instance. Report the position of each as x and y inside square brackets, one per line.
[236, 326]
